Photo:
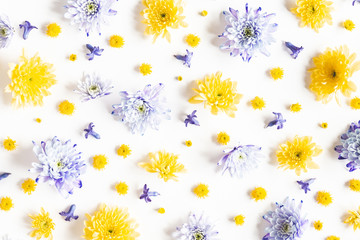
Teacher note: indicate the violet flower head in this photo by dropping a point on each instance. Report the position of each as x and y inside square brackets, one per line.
[185, 58]
[69, 214]
[240, 159]
[89, 15]
[305, 184]
[286, 222]
[279, 121]
[147, 194]
[295, 50]
[349, 149]
[248, 33]
[60, 165]
[142, 109]
[27, 28]
[198, 227]
[191, 119]
[6, 31]
[90, 131]
[355, 1]
[92, 87]
[94, 50]
[4, 175]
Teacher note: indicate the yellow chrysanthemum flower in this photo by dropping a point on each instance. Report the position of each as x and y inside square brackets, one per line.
[239, 220]
[192, 40]
[145, 69]
[258, 193]
[355, 103]
[353, 219]
[257, 103]
[122, 188]
[349, 25]
[124, 151]
[165, 164]
[99, 162]
[296, 107]
[28, 186]
[217, 94]
[201, 190]
[42, 225]
[313, 13]
[323, 198]
[116, 41]
[318, 225]
[162, 14]
[188, 143]
[73, 57]
[110, 223]
[332, 237]
[354, 185]
[277, 73]
[331, 74]
[53, 30]
[161, 210]
[30, 80]
[66, 107]
[223, 138]
[38, 120]
[6, 203]
[324, 125]
[9, 144]
[298, 154]
[204, 13]
[179, 78]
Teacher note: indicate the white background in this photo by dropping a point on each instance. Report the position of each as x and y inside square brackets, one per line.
[228, 197]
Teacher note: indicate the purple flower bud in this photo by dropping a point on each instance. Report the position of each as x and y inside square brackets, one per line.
[295, 50]
[27, 28]
[191, 118]
[69, 214]
[279, 121]
[90, 131]
[186, 58]
[146, 194]
[94, 50]
[305, 184]
[4, 175]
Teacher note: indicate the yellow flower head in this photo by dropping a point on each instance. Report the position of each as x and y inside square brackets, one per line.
[332, 237]
[318, 225]
[179, 78]
[217, 94]
[28, 186]
[38, 120]
[66, 107]
[349, 25]
[323, 198]
[99, 162]
[42, 225]
[313, 13]
[201, 190]
[109, 224]
[331, 74]
[188, 143]
[297, 154]
[296, 107]
[30, 80]
[162, 14]
[161, 210]
[122, 188]
[277, 73]
[354, 185]
[204, 13]
[239, 220]
[6, 203]
[258, 193]
[354, 219]
[355, 103]
[9, 144]
[192, 40]
[165, 164]
[223, 138]
[73, 57]
[116, 41]
[123, 151]
[145, 69]
[324, 125]
[258, 103]
[53, 30]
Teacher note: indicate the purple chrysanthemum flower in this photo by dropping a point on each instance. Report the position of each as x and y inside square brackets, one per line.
[294, 50]
[287, 221]
[355, 1]
[60, 165]
[147, 194]
[197, 228]
[92, 87]
[89, 14]
[69, 214]
[305, 184]
[350, 147]
[240, 159]
[27, 28]
[6, 31]
[185, 58]
[191, 119]
[143, 109]
[90, 131]
[249, 33]
[94, 50]
[279, 121]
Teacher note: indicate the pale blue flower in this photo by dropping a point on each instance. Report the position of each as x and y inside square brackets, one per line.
[142, 109]
[90, 131]
[27, 29]
[69, 214]
[294, 49]
[249, 33]
[6, 31]
[60, 165]
[305, 185]
[286, 222]
[146, 194]
[240, 159]
[89, 15]
[191, 119]
[92, 87]
[94, 51]
[278, 121]
[185, 58]
[197, 228]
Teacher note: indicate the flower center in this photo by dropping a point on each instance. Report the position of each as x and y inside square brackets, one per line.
[141, 108]
[286, 228]
[298, 155]
[91, 8]
[44, 225]
[334, 74]
[164, 16]
[3, 32]
[242, 157]
[248, 32]
[199, 235]
[94, 89]
[60, 164]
